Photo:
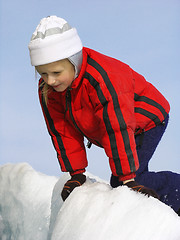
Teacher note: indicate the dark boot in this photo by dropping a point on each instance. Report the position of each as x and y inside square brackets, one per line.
[178, 212]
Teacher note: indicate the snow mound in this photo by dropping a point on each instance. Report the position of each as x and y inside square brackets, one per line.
[31, 208]
[25, 201]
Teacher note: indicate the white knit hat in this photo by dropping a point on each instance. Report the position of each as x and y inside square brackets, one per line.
[54, 39]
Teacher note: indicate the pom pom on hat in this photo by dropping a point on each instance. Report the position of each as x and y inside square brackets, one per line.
[54, 39]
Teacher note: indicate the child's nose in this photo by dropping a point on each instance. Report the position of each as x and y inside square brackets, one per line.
[51, 80]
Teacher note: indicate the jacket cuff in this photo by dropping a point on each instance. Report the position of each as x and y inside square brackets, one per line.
[77, 172]
[127, 177]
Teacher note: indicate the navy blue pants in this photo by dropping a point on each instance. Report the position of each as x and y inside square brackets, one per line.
[165, 183]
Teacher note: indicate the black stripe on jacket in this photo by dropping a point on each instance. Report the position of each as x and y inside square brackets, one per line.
[119, 115]
[56, 134]
[107, 122]
[146, 113]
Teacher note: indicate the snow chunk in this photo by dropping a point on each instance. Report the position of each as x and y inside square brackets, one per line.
[96, 211]
[31, 208]
[25, 200]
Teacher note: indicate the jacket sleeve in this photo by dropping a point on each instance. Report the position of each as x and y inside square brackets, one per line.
[118, 140]
[68, 143]
[115, 109]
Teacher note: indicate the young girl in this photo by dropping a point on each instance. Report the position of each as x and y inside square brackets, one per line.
[84, 93]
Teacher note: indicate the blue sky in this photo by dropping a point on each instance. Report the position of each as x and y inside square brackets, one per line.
[143, 34]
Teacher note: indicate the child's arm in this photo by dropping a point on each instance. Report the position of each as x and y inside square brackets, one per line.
[118, 124]
[68, 142]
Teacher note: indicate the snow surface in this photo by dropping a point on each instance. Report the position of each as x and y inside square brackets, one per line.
[31, 208]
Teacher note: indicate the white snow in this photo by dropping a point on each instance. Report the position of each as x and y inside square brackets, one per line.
[31, 208]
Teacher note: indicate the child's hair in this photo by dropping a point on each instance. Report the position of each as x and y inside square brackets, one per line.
[46, 89]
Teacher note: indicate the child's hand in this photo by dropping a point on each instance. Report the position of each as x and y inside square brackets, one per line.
[75, 181]
[142, 189]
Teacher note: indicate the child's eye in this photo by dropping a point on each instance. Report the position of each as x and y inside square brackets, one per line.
[56, 73]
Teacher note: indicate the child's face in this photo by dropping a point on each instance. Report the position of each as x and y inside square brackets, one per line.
[58, 75]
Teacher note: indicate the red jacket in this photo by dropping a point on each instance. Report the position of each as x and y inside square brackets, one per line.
[107, 103]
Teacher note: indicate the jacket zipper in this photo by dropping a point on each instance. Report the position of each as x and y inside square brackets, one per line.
[68, 103]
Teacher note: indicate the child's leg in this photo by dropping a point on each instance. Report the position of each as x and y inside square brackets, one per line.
[166, 184]
[145, 149]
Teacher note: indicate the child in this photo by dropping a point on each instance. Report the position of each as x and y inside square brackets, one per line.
[86, 94]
